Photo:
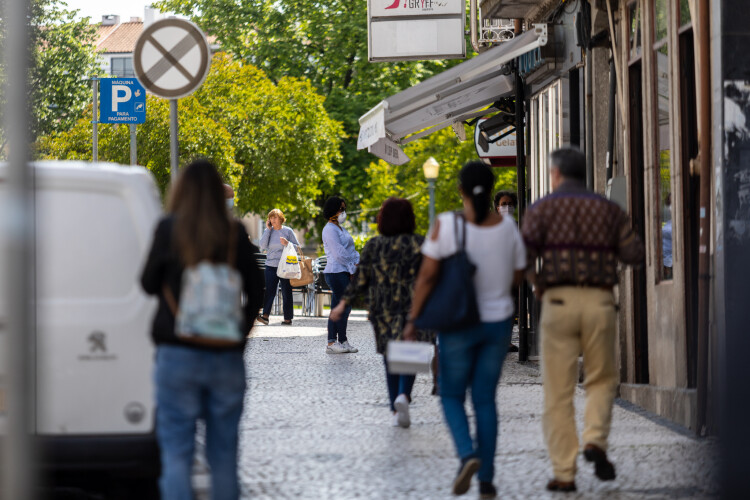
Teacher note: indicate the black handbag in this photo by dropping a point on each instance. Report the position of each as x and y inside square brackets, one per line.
[452, 304]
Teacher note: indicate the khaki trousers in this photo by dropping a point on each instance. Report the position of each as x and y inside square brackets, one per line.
[575, 320]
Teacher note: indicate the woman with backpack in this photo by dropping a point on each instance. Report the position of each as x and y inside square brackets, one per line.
[200, 264]
[472, 357]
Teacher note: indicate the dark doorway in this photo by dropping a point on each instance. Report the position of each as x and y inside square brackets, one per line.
[638, 213]
[691, 197]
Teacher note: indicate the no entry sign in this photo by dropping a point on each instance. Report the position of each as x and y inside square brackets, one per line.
[172, 58]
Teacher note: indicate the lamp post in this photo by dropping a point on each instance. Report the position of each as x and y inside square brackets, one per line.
[431, 169]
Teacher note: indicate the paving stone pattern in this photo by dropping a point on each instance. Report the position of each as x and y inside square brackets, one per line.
[317, 426]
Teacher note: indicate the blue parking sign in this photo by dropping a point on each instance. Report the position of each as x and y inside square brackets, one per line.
[121, 100]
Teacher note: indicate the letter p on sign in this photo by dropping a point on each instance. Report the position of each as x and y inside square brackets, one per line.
[120, 93]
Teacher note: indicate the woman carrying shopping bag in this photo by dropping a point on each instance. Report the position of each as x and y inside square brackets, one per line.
[388, 267]
[487, 249]
[273, 241]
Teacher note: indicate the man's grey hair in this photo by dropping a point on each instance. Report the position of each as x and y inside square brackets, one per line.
[570, 162]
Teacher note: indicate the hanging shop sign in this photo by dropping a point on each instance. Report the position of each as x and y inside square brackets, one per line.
[500, 153]
[400, 30]
[387, 150]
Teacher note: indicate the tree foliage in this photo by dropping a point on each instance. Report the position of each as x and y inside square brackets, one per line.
[62, 53]
[323, 40]
[408, 181]
[274, 142]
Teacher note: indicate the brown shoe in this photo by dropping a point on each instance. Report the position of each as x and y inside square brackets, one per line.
[603, 468]
[561, 486]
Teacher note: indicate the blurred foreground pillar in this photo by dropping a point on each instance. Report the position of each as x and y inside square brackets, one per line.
[16, 219]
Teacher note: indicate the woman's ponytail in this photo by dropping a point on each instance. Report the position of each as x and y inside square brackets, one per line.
[477, 181]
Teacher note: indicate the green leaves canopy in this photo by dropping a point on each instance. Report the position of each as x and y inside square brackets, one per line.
[408, 181]
[63, 54]
[273, 142]
[323, 40]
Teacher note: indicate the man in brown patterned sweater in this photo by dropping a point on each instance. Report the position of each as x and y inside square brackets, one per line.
[577, 237]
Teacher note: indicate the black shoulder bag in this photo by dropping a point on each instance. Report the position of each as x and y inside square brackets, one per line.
[452, 304]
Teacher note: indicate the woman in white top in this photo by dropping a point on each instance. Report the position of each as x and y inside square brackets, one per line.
[473, 358]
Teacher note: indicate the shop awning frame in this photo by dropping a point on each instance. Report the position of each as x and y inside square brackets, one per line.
[453, 96]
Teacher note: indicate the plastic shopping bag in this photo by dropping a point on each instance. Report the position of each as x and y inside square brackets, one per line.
[289, 264]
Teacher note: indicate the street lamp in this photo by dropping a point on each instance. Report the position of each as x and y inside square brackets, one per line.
[431, 169]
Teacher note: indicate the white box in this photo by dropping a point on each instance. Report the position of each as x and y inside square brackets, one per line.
[409, 358]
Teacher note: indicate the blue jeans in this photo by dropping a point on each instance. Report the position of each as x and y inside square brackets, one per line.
[398, 384]
[338, 283]
[272, 284]
[194, 384]
[473, 358]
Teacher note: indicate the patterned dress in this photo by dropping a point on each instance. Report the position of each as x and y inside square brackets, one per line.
[388, 268]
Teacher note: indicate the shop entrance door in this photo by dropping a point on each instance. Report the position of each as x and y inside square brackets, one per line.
[638, 214]
[691, 197]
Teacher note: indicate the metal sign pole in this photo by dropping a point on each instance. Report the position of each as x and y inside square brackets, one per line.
[133, 146]
[174, 146]
[17, 258]
[95, 120]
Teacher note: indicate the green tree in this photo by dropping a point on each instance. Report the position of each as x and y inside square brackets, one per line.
[274, 142]
[408, 181]
[63, 53]
[323, 40]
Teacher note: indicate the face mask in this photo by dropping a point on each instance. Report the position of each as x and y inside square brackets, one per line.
[507, 210]
[230, 203]
[342, 217]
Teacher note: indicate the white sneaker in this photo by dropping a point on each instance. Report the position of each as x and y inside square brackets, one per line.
[349, 348]
[394, 421]
[336, 348]
[402, 411]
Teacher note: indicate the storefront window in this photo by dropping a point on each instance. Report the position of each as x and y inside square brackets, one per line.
[635, 30]
[663, 137]
[660, 19]
[684, 12]
[546, 132]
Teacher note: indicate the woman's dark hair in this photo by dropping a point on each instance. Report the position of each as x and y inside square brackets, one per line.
[477, 181]
[202, 221]
[332, 206]
[396, 216]
[499, 196]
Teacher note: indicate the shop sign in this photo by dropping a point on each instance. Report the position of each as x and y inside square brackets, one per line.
[401, 30]
[387, 150]
[501, 153]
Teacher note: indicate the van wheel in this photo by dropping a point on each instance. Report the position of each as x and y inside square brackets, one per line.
[136, 488]
[146, 489]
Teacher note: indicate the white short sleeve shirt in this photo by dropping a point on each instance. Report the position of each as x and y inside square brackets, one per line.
[497, 251]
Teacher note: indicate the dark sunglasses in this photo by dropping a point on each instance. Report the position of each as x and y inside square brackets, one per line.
[507, 204]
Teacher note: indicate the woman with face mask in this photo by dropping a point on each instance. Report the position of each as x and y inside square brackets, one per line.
[505, 203]
[342, 261]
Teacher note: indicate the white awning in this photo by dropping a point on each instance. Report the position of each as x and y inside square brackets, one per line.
[460, 93]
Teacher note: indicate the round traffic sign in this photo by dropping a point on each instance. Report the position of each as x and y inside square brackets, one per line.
[171, 58]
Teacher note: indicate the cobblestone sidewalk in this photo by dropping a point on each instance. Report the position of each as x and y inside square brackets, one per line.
[317, 426]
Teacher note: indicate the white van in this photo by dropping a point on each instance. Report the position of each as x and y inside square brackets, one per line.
[94, 356]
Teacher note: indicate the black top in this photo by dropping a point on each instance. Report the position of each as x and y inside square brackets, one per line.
[388, 268]
[163, 266]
